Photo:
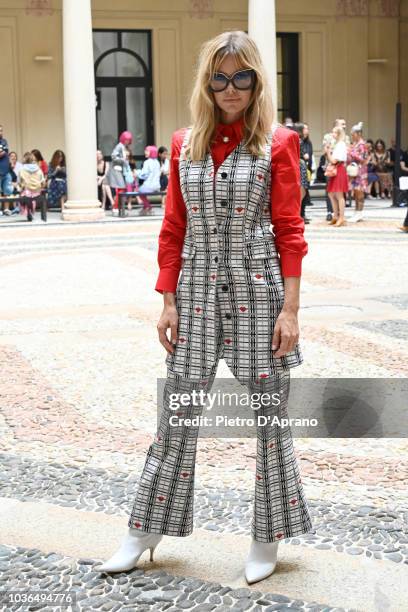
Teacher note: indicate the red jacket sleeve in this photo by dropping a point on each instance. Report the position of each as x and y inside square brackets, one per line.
[288, 225]
[174, 223]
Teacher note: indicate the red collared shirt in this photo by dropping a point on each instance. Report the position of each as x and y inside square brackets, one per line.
[288, 225]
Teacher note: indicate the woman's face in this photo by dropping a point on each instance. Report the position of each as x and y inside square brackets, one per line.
[231, 101]
[13, 159]
[99, 156]
[379, 147]
[355, 136]
[147, 153]
[163, 155]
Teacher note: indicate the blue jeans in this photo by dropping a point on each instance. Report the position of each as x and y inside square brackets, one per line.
[6, 186]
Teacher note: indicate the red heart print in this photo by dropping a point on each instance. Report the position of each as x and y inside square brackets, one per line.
[198, 309]
[243, 308]
[293, 502]
[161, 498]
[195, 208]
[260, 177]
[138, 525]
[239, 209]
[279, 535]
[258, 477]
[258, 276]
[271, 445]
[227, 340]
[184, 474]
[182, 339]
[213, 276]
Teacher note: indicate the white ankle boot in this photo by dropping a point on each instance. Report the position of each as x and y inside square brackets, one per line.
[261, 560]
[133, 545]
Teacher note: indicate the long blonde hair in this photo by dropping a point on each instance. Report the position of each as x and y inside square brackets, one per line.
[340, 133]
[259, 113]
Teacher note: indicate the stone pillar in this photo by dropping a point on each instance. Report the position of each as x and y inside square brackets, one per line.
[80, 113]
[262, 28]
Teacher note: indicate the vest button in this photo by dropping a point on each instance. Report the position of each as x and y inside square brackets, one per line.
[215, 259]
[223, 175]
[228, 315]
[223, 202]
[224, 287]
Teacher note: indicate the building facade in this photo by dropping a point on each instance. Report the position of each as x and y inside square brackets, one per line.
[333, 58]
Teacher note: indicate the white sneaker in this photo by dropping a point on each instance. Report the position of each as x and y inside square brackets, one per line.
[261, 560]
[133, 546]
[353, 218]
[360, 216]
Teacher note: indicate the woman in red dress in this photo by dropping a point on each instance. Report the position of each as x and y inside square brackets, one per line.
[338, 184]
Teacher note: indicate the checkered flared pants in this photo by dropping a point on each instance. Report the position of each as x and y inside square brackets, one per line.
[165, 496]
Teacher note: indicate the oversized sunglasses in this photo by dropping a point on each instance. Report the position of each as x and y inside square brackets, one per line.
[242, 79]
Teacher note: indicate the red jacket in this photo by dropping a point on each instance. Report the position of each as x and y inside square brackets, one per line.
[288, 225]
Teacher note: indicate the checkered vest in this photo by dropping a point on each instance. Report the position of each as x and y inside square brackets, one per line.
[228, 211]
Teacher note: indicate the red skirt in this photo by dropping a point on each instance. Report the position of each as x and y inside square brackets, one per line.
[339, 183]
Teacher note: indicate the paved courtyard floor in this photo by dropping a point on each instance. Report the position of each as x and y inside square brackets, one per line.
[80, 361]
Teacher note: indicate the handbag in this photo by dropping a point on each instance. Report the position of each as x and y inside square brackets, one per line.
[352, 169]
[331, 170]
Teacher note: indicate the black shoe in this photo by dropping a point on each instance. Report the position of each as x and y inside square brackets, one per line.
[329, 217]
[29, 216]
[306, 220]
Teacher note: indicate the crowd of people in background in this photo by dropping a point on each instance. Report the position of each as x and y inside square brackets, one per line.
[28, 179]
[349, 166]
[122, 176]
[22, 183]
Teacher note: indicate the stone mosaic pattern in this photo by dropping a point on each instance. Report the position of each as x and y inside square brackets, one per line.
[80, 359]
[395, 328]
[144, 591]
[376, 532]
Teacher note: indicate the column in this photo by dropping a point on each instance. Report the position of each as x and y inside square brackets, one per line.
[79, 108]
[262, 28]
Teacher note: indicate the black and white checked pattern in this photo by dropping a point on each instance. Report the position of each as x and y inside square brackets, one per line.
[229, 255]
[228, 298]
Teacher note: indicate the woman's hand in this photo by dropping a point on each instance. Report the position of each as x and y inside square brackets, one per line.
[286, 332]
[168, 319]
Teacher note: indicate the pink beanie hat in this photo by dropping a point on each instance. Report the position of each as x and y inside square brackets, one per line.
[125, 136]
[152, 151]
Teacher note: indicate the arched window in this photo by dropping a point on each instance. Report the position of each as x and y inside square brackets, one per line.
[123, 81]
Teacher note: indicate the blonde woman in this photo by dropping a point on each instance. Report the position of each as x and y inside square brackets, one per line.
[232, 174]
[337, 175]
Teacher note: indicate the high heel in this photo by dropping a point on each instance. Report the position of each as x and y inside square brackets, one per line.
[340, 222]
[333, 221]
[133, 546]
[261, 560]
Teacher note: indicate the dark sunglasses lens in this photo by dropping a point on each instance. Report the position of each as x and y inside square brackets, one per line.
[218, 82]
[243, 80]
